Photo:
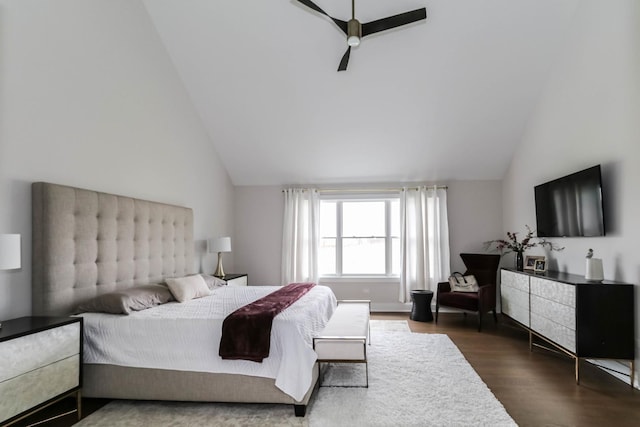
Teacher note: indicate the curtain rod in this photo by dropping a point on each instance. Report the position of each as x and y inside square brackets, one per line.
[370, 190]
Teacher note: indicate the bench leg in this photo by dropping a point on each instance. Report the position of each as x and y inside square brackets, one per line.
[366, 372]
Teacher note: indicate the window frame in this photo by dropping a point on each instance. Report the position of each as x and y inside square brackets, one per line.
[388, 198]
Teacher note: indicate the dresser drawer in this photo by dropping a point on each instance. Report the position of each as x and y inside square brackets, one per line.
[561, 314]
[553, 331]
[555, 291]
[42, 348]
[515, 304]
[514, 280]
[37, 386]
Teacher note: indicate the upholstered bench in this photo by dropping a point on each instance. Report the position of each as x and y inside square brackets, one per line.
[344, 339]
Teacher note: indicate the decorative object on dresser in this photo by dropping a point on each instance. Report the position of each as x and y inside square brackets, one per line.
[541, 266]
[519, 247]
[485, 269]
[580, 319]
[41, 364]
[530, 261]
[220, 245]
[593, 271]
[236, 279]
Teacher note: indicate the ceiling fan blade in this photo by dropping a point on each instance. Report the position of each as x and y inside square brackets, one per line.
[393, 21]
[311, 5]
[345, 60]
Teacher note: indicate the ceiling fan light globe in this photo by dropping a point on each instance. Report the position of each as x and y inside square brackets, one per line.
[353, 41]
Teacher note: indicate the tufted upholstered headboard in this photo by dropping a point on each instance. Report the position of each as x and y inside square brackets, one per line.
[87, 243]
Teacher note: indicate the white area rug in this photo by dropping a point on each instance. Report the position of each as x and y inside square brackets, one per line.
[414, 380]
[389, 325]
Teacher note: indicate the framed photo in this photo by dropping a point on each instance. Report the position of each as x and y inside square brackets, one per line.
[540, 265]
[530, 261]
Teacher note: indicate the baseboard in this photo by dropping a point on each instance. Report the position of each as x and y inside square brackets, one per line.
[390, 307]
[398, 307]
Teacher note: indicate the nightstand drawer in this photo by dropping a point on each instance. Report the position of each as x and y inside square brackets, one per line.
[41, 364]
[236, 279]
[35, 387]
[43, 348]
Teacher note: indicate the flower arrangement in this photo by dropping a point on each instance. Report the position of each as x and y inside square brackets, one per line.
[512, 244]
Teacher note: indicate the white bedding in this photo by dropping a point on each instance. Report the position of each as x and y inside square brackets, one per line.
[186, 336]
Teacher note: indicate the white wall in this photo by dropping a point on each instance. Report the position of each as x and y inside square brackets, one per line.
[589, 114]
[89, 98]
[258, 233]
[475, 216]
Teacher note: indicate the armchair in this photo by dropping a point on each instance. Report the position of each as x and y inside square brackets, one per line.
[485, 268]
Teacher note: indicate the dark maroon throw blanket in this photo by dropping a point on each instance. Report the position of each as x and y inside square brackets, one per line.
[246, 333]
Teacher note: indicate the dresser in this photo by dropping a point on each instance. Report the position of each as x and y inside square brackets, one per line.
[585, 320]
[41, 363]
[236, 279]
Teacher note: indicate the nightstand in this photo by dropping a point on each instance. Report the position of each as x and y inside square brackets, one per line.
[236, 279]
[40, 364]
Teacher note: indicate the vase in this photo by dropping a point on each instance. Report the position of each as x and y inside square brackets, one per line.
[519, 261]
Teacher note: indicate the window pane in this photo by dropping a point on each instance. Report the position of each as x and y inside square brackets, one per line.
[363, 256]
[327, 256]
[395, 255]
[395, 218]
[328, 219]
[363, 219]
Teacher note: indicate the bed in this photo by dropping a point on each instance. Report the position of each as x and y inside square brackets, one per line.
[88, 243]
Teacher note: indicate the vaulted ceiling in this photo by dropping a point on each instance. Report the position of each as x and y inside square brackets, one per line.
[444, 99]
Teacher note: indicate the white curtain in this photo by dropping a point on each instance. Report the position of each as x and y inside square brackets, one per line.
[424, 239]
[300, 236]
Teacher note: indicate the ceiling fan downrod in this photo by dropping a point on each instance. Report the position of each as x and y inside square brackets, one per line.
[354, 28]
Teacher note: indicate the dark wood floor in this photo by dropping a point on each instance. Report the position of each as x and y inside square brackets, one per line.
[536, 388]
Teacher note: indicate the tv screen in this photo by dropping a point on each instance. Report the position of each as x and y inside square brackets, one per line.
[571, 206]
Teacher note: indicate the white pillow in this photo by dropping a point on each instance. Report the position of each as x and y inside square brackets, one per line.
[213, 282]
[186, 288]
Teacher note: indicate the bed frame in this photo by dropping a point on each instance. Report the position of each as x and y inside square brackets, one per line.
[86, 243]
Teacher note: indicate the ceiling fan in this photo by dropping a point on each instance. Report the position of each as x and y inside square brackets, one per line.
[355, 30]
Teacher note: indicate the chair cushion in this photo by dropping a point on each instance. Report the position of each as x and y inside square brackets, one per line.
[462, 300]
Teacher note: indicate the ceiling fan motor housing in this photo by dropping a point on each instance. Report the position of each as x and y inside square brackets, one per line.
[354, 32]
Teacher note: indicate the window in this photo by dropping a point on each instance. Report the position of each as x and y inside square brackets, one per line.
[359, 237]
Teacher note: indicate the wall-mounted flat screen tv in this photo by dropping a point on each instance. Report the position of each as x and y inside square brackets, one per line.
[571, 206]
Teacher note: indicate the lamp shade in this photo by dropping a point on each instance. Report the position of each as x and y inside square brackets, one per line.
[9, 251]
[220, 244]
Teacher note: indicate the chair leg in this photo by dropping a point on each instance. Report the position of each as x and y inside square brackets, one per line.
[437, 309]
[495, 316]
[479, 321]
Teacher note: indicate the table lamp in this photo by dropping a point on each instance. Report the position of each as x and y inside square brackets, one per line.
[9, 252]
[219, 245]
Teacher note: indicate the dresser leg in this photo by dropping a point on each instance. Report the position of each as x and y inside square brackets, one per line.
[577, 370]
[79, 404]
[633, 371]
